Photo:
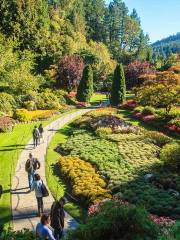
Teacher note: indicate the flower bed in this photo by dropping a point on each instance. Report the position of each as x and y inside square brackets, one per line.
[24, 115]
[102, 111]
[86, 184]
[130, 104]
[174, 125]
[6, 124]
[115, 123]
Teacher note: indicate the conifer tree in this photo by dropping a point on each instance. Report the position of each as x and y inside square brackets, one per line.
[118, 91]
[85, 88]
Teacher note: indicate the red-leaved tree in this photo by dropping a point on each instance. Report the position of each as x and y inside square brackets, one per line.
[134, 70]
[69, 72]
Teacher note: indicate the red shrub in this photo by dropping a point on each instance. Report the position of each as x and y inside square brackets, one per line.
[130, 104]
[148, 118]
[6, 124]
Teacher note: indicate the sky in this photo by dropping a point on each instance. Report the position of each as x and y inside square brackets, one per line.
[159, 18]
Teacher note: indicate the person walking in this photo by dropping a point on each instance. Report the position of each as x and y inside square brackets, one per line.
[57, 218]
[37, 186]
[42, 229]
[41, 130]
[36, 136]
[32, 164]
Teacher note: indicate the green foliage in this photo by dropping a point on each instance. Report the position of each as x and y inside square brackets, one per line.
[47, 100]
[19, 235]
[103, 131]
[158, 138]
[165, 47]
[148, 110]
[159, 95]
[30, 105]
[115, 220]
[170, 155]
[118, 90]
[175, 121]
[7, 103]
[85, 88]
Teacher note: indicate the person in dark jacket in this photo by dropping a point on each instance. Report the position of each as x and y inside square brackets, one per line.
[41, 130]
[36, 136]
[57, 218]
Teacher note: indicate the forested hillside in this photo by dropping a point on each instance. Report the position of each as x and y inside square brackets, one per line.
[52, 29]
[167, 46]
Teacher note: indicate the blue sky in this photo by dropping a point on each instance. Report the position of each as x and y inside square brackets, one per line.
[159, 18]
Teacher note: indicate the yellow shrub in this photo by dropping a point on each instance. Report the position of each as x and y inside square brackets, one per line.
[102, 111]
[86, 183]
[25, 115]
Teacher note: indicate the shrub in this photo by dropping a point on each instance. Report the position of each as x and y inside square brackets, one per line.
[102, 111]
[170, 155]
[139, 109]
[175, 122]
[148, 110]
[158, 138]
[118, 91]
[7, 103]
[47, 100]
[19, 235]
[61, 94]
[85, 88]
[24, 115]
[103, 131]
[86, 183]
[115, 221]
[6, 124]
[130, 104]
[30, 105]
[148, 118]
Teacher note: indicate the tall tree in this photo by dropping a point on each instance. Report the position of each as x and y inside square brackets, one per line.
[24, 21]
[69, 72]
[118, 91]
[85, 88]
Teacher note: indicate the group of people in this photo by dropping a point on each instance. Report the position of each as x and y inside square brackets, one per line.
[56, 217]
[37, 134]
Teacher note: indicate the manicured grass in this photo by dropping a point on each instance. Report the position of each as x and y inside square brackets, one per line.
[97, 97]
[57, 186]
[11, 145]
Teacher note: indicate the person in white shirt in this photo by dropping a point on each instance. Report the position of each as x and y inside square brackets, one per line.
[37, 186]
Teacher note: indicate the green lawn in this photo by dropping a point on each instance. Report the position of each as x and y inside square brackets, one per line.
[55, 183]
[97, 97]
[11, 145]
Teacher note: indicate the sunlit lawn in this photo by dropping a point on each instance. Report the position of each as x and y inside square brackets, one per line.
[97, 97]
[11, 145]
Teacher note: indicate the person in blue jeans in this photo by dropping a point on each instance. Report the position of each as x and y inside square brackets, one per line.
[42, 229]
[37, 186]
[57, 218]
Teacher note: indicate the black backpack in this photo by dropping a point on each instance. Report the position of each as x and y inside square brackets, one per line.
[44, 190]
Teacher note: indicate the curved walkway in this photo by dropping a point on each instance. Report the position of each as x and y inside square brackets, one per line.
[24, 206]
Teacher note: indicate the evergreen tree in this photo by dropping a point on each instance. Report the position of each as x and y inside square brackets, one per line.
[118, 91]
[85, 88]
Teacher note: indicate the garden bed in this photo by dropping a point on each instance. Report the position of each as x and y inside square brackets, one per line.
[124, 159]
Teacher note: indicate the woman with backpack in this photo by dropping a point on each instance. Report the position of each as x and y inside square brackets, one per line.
[37, 186]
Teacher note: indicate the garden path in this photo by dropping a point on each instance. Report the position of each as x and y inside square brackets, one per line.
[24, 206]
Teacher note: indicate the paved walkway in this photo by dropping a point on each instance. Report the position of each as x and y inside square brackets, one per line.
[24, 206]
